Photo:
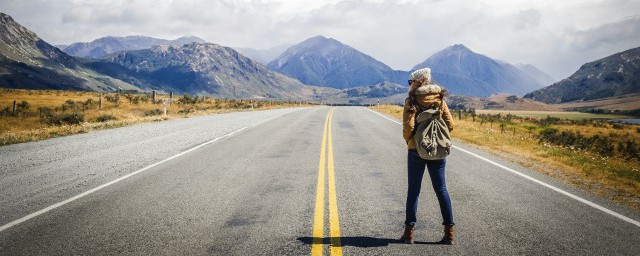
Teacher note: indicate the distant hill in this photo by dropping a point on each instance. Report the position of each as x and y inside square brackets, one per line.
[327, 62]
[28, 62]
[263, 56]
[385, 92]
[206, 69]
[111, 44]
[465, 72]
[613, 76]
[536, 73]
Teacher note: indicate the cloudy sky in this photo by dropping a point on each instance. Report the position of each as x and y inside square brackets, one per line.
[556, 36]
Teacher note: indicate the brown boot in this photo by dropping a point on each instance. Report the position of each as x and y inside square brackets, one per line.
[448, 235]
[407, 237]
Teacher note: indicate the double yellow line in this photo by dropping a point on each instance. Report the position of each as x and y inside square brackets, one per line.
[318, 218]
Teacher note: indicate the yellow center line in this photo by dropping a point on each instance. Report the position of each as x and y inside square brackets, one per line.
[318, 219]
[334, 223]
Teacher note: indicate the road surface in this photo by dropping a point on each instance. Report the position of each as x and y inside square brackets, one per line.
[316, 180]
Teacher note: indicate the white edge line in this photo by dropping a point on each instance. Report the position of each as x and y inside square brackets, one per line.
[580, 199]
[54, 206]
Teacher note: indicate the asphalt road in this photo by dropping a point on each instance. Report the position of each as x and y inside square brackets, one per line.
[254, 192]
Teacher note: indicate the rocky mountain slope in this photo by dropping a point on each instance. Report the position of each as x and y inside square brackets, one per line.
[106, 45]
[205, 69]
[612, 76]
[28, 62]
[327, 62]
[465, 72]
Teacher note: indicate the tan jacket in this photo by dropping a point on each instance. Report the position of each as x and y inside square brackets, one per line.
[425, 101]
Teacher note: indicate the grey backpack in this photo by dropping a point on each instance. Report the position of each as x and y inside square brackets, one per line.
[433, 141]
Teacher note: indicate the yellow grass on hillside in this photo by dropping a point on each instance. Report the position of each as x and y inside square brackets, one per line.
[543, 114]
[53, 113]
[614, 177]
[625, 102]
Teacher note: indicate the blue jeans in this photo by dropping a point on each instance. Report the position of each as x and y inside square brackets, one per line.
[436, 168]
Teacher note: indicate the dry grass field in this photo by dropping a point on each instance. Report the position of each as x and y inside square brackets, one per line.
[597, 156]
[627, 102]
[558, 114]
[42, 114]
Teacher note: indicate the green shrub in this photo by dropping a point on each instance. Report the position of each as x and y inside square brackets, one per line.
[186, 99]
[186, 111]
[105, 118]
[24, 105]
[153, 112]
[64, 118]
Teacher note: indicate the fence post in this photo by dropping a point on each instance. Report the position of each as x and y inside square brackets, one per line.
[170, 98]
[100, 102]
[164, 104]
[459, 114]
[15, 107]
[153, 97]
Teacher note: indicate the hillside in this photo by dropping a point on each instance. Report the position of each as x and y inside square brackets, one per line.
[205, 69]
[613, 76]
[385, 92]
[28, 62]
[465, 72]
[327, 62]
[106, 45]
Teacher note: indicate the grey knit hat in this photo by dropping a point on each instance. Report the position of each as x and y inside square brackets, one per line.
[421, 74]
[427, 87]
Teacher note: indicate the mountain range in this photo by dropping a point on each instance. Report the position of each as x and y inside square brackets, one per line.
[612, 76]
[327, 62]
[110, 44]
[26, 61]
[196, 68]
[465, 72]
[342, 73]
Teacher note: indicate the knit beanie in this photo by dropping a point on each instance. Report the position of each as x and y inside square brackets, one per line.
[427, 87]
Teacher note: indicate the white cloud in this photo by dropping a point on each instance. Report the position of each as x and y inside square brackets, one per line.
[556, 36]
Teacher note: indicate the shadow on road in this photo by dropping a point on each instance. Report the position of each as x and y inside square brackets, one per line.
[360, 241]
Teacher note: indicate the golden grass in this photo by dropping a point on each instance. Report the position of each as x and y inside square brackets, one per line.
[611, 177]
[543, 114]
[28, 125]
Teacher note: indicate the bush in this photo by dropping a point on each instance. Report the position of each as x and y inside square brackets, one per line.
[617, 126]
[24, 105]
[153, 112]
[600, 144]
[64, 118]
[112, 98]
[105, 118]
[186, 99]
[186, 111]
[44, 112]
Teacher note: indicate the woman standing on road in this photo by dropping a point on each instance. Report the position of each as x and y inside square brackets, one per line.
[426, 95]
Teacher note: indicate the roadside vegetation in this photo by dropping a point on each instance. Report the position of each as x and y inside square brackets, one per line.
[43, 114]
[591, 153]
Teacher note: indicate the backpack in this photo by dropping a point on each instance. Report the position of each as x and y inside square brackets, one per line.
[431, 134]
